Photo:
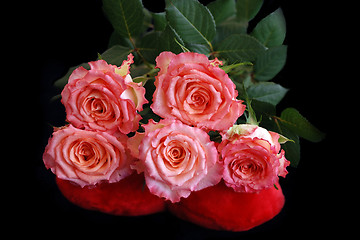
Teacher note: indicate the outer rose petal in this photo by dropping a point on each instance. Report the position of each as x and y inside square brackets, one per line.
[101, 65]
[134, 142]
[163, 61]
[249, 131]
[163, 190]
[159, 100]
[236, 109]
[275, 139]
[283, 164]
[78, 73]
[216, 62]
[212, 176]
[135, 93]
[124, 69]
[187, 58]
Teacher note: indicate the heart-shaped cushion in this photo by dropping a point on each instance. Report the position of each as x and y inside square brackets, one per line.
[128, 197]
[221, 208]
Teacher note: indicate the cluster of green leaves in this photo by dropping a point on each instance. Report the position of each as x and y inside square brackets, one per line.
[220, 30]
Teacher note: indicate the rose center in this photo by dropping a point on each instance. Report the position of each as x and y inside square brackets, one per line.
[97, 107]
[174, 155]
[244, 168]
[198, 98]
[84, 153]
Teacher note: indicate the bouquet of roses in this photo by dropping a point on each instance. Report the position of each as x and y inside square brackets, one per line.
[180, 112]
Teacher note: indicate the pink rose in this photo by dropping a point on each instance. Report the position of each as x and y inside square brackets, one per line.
[177, 159]
[251, 158]
[87, 157]
[104, 98]
[196, 91]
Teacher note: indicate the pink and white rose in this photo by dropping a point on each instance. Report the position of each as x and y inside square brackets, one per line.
[104, 98]
[176, 159]
[252, 158]
[194, 90]
[87, 157]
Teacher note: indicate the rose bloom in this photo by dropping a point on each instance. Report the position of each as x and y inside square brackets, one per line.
[87, 157]
[104, 98]
[251, 158]
[176, 159]
[196, 91]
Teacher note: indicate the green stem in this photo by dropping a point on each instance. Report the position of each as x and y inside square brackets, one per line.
[251, 118]
[211, 47]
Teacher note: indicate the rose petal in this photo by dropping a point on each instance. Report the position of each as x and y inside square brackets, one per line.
[163, 61]
[124, 69]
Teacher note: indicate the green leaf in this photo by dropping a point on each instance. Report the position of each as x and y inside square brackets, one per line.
[139, 70]
[240, 48]
[199, 48]
[167, 41]
[191, 20]
[270, 63]
[148, 21]
[117, 39]
[291, 147]
[125, 16]
[159, 21]
[292, 151]
[271, 30]
[293, 120]
[222, 9]
[263, 109]
[227, 28]
[228, 68]
[282, 139]
[247, 9]
[268, 92]
[116, 54]
[148, 46]
[183, 48]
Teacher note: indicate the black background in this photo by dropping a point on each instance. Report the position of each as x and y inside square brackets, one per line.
[67, 33]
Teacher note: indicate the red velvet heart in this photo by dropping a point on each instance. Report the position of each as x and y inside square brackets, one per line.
[128, 197]
[220, 208]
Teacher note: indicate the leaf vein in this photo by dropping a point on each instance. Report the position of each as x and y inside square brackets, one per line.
[194, 27]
